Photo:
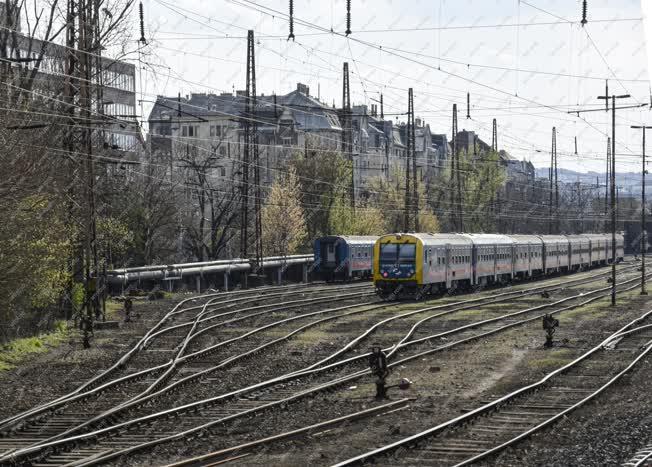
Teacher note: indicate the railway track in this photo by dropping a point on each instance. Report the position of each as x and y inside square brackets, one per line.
[245, 402]
[133, 378]
[509, 419]
[642, 458]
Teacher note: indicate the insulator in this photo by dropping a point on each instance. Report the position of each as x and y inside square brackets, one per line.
[142, 24]
[584, 21]
[468, 105]
[291, 36]
[348, 17]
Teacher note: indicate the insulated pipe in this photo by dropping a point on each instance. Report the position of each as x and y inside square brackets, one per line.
[179, 271]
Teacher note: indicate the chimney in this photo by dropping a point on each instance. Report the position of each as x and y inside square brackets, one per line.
[417, 121]
[303, 89]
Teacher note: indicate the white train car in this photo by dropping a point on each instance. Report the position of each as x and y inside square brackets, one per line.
[598, 248]
[528, 255]
[492, 261]
[555, 253]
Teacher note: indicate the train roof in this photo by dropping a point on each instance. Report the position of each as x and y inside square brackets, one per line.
[535, 239]
[490, 239]
[554, 238]
[577, 238]
[594, 236]
[434, 238]
[351, 239]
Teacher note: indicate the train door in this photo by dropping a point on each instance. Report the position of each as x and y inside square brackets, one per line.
[474, 266]
[330, 253]
[448, 265]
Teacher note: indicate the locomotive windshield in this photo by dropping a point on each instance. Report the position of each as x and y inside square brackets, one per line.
[389, 253]
[407, 253]
[394, 253]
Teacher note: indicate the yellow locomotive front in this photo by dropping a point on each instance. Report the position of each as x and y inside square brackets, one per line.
[397, 270]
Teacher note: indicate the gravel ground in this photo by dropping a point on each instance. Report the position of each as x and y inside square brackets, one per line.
[46, 376]
[445, 384]
[605, 432]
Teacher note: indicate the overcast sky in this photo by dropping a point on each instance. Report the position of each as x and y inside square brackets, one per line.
[442, 48]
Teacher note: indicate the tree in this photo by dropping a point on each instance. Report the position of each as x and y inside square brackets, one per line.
[387, 195]
[365, 220]
[483, 178]
[212, 206]
[324, 178]
[284, 225]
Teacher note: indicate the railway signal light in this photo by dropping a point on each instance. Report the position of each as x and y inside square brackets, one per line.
[549, 325]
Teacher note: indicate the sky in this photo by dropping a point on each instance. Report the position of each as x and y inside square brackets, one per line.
[529, 64]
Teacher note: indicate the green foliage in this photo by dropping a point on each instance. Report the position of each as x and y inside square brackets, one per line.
[18, 350]
[284, 224]
[366, 220]
[35, 244]
[388, 196]
[324, 178]
[114, 237]
[483, 177]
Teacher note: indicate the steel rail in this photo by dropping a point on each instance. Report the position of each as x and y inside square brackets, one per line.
[144, 342]
[120, 363]
[146, 339]
[394, 405]
[211, 401]
[292, 304]
[637, 460]
[179, 358]
[146, 398]
[495, 299]
[486, 408]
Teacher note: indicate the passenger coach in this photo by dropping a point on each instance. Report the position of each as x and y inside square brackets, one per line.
[416, 264]
[341, 257]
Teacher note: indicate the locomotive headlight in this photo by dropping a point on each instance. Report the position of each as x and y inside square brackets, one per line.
[411, 271]
[385, 274]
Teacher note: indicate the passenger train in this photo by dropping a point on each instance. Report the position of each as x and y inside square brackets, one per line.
[341, 257]
[417, 264]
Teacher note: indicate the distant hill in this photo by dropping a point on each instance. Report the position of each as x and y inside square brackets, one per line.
[629, 182]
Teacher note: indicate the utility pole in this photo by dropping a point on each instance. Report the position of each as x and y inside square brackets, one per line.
[612, 171]
[643, 227]
[347, 142]
[82, 40]
[494, 137]
[551, 177]
[244, 188]
[249, 158]
[412, 147]
[607, 177]
[554, 176]
[613, 191]
[382, 112]
[252, 144]
[408, 177]
[456, 191]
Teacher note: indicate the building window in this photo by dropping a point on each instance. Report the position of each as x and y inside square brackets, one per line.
[286, 141]
[190, 131]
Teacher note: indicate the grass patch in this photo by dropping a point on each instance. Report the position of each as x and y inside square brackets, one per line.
[19, 349]
[553, 359]
[113, 309]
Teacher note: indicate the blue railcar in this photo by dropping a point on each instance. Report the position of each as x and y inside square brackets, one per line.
[344, 257]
